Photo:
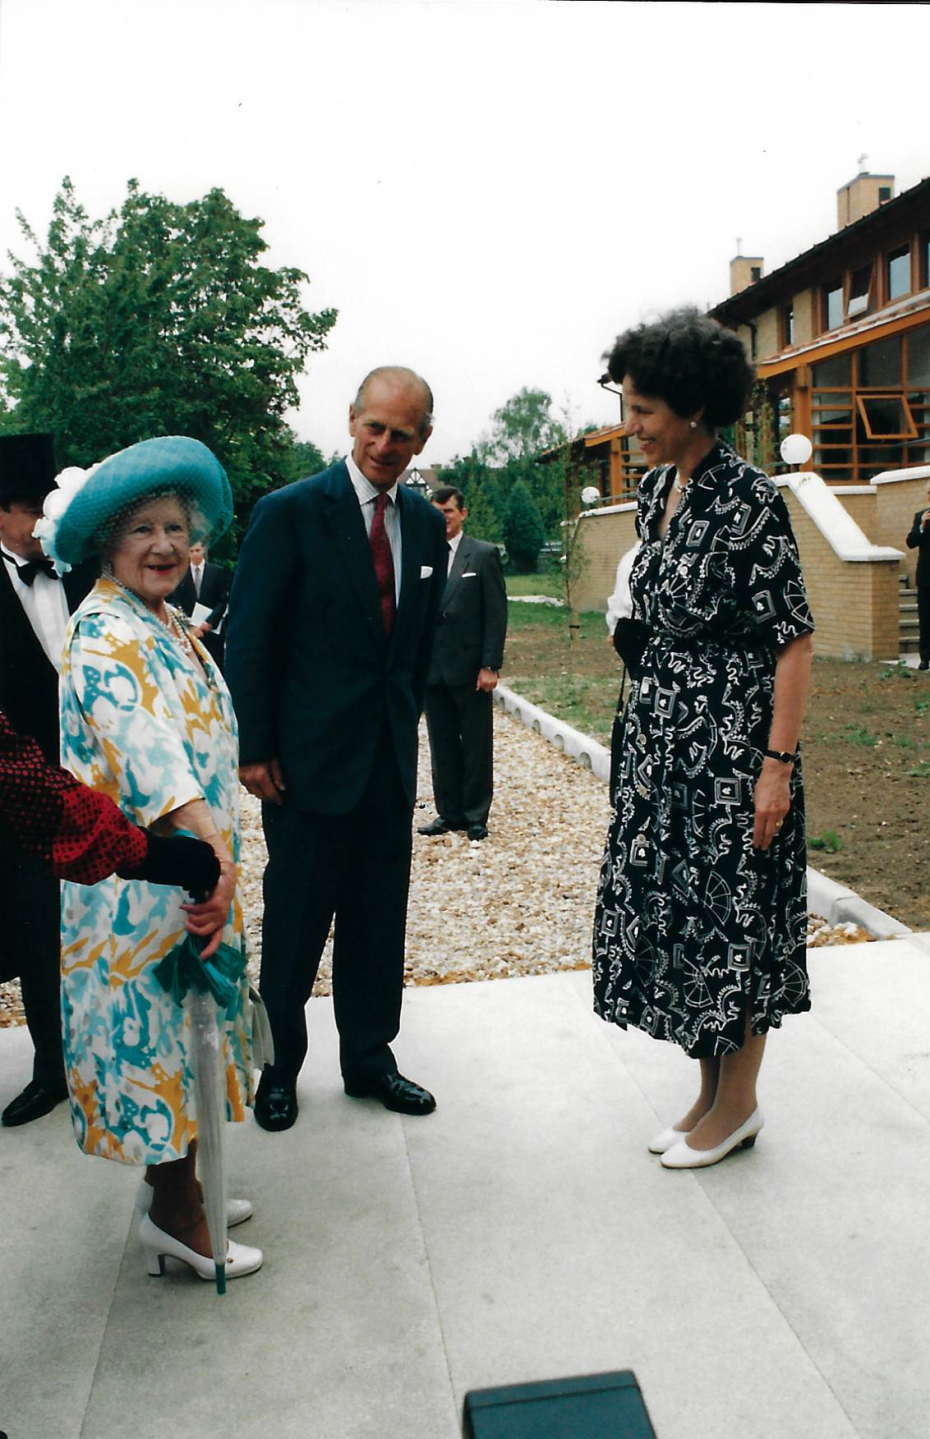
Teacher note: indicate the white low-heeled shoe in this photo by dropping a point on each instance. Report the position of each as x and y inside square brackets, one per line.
[159, 1246]
[666, 1139]
[682, 1156]
[237, 1210]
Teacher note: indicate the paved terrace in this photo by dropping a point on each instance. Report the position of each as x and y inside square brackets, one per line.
[520, 1232]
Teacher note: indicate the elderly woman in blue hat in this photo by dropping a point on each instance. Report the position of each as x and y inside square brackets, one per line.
[147, 719]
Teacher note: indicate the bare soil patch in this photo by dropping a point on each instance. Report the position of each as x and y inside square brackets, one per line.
[866, 746]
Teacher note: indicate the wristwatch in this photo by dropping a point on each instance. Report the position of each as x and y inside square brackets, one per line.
[781, 755]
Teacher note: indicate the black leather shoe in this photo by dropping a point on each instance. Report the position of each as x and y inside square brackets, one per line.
[922, 666]
[275, 1103]
[438, 826]
[477, 831]
[395, 1092]
[38, 1098]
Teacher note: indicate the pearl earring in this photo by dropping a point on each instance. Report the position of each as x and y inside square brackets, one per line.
[694, 424]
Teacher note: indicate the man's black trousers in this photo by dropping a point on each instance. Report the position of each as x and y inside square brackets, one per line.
[29, 903]
[459, 720]
[354, 867]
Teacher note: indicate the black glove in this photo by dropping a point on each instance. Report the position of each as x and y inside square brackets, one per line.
[630, 640]
[188, 863]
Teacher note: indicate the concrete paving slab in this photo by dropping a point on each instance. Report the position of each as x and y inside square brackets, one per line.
[829, 1213]
[558, 1246]
[520, 1232]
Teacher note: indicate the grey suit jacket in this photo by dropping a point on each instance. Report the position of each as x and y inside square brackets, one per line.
[472, 622]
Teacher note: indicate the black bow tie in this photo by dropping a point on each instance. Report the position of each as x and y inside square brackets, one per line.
[31, 568]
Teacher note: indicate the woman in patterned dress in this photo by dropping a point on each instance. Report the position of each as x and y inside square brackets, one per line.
[701, 915]
[147, 719]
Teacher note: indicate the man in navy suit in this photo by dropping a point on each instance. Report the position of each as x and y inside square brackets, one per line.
[329, 633]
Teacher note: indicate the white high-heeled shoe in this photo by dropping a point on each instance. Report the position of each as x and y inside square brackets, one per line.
[237, 1210]
[682, 1156]
[666, 1139]
[158, 1246]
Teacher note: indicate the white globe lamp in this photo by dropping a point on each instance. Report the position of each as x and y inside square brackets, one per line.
[796, 449]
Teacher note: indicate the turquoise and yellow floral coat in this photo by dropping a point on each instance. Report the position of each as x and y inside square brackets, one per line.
[151, 728]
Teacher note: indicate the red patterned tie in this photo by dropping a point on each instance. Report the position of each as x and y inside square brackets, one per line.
[384, 563]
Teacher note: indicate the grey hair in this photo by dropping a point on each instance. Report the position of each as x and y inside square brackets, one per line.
[108, 535]
[400, 375]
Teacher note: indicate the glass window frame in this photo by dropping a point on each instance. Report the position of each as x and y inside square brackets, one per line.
[899, 253]
[864, 398]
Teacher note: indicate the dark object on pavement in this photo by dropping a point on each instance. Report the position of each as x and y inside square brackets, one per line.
[595, 1406]
[38, 1098]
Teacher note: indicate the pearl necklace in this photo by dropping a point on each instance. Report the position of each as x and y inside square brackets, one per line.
[677, 485]
[171, 624]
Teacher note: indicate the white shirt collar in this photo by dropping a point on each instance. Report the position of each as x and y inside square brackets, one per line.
[454, 544]
[364, 488]
[12, 559]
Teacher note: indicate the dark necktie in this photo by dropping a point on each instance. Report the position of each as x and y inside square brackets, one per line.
[31, 568]
[384, 563]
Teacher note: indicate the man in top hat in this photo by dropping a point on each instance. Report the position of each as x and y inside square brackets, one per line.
[34, 610]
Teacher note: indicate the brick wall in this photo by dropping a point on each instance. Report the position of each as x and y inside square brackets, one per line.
[767, 335]
[897, 502]
[855, 603]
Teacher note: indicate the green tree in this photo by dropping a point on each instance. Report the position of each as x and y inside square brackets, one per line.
[304, 459]
[524, 533]
[469, 474]
[158, 319]
[521, 430]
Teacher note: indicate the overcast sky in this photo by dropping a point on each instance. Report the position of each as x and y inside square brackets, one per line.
[486, 190]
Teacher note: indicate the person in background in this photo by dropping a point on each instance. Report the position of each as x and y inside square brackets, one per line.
[147, 719]
[34, 609]
[207, 585]
[919, 539]
[468, 652]
[700, 927]
[330, 627]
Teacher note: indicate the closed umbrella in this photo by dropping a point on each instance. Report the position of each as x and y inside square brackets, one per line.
[206, 989]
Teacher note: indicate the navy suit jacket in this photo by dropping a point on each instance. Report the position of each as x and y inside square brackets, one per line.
[310, 671]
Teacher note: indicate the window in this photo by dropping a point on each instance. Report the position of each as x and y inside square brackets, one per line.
[870, 408]
[787, 325]
[880, 365]
[833, 304]
[884, 194]
[755, 273]
[899, 272]
[860, 291]
[886, 417]
[925, 262]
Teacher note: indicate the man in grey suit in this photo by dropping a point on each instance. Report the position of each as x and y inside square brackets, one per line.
[467, 655]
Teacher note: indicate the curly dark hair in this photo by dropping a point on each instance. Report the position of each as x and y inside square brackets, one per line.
[688, 360]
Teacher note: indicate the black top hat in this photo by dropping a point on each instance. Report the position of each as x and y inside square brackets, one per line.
[27, 467]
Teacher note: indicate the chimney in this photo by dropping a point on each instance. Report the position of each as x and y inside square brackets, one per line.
[745, 270]
[861, 196]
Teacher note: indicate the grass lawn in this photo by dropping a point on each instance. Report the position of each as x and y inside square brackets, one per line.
[547, 583]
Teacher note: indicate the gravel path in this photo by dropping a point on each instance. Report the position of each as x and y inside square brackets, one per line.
[520, 902]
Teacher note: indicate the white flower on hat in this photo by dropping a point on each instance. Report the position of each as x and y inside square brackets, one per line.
[56, 502]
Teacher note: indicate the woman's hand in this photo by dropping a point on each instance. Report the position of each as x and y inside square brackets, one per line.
[210, 915]
[772, 800]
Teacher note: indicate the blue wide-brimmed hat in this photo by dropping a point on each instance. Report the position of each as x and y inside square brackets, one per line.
[79, 511]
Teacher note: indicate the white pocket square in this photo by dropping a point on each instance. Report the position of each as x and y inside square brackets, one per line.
[425, 571]
[470, 575]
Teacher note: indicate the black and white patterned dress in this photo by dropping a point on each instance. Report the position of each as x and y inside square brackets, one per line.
[691, 921]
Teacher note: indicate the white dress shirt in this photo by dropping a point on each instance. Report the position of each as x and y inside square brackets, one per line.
[197, 577]
[45, 604]
[453, 547]
[367, 495]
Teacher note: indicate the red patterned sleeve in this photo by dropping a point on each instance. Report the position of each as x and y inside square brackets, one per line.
[79, 833]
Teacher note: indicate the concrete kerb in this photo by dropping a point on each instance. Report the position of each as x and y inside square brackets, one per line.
[835, 903]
